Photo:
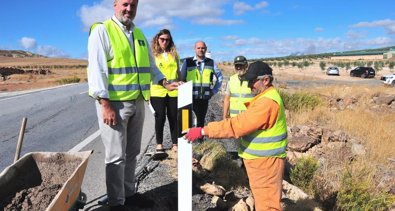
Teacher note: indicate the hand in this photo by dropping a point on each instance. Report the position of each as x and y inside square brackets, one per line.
[108, 113]
[172, 86]
[193, 134]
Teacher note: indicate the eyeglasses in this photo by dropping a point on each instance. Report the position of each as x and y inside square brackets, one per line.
[164, 39]
[239, 66]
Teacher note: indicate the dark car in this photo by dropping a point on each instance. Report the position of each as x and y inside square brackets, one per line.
[363, 72]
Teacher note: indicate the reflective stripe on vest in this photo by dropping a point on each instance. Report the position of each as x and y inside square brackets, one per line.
[267, 143]
[168, 67]
[203, 80]
[129, 73]
[239, 94]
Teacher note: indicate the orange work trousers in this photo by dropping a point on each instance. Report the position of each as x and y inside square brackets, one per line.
[265, 177]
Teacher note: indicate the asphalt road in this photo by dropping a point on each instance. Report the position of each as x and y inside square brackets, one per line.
[61, 119]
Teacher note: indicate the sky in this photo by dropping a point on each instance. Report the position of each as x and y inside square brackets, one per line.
[254, 28]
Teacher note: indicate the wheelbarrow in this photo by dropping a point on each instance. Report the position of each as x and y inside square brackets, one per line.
[61, 172]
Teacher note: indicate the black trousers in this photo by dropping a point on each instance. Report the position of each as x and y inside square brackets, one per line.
[200, 109]
[162, 106]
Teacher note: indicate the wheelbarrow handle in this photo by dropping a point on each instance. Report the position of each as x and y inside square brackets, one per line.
[20, 139]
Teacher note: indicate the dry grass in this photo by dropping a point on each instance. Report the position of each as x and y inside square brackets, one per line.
[371, 126]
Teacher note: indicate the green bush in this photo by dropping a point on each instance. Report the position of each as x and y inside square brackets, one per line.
[299, 101]
[356, 193]
[302, 173]
[69, 80]
[322, 65]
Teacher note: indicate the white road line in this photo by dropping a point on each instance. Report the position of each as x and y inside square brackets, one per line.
[85, 142]
[83, 93]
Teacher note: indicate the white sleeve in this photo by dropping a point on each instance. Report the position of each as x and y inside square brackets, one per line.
[99, 52]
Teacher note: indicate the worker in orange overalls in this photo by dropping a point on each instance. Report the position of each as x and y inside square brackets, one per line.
[262, 130]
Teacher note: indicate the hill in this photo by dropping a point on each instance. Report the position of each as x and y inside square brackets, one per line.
[18, 54]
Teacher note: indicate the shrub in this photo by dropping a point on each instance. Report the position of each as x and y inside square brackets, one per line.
[356, 193]
[300, 101]
[69, 80]
[322, 65]
[303, 172]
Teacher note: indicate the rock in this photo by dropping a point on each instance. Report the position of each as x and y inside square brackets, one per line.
[250, 202]
[240, 206]
[212, 189]
[334, 136]
[357, 149]
[302, 143]
[219, 203]
[383, 99]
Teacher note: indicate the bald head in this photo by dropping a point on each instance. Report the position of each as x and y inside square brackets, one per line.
[200, 49]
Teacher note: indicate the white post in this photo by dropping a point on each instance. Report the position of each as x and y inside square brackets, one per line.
[184, 149]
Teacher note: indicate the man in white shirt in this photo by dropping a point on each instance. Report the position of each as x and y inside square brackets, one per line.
[120, 71]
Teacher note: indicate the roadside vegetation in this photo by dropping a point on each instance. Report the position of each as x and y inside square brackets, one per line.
[358, 185]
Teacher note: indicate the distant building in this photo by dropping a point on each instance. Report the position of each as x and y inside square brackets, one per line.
[359, 55]
[390, 54]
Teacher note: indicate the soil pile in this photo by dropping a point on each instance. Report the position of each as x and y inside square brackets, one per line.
[53, 173]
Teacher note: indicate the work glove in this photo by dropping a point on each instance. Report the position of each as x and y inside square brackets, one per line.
[193, 134]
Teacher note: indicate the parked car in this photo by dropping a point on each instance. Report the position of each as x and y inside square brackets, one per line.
[385, 77]
[389, 79]
[332, 71]
[363, 72]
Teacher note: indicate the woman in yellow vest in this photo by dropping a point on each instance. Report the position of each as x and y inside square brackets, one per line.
[164, 101]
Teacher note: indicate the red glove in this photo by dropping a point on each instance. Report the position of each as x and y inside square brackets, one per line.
[194, 133]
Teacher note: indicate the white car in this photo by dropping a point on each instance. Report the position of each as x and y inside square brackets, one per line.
[332, 71]
[389, 79]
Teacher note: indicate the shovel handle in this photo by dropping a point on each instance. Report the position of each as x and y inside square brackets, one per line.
[20, 139]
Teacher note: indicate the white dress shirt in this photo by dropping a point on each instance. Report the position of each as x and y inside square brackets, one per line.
[100, 51]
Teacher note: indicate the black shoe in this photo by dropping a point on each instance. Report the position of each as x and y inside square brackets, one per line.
[139, 200]
[118, 208]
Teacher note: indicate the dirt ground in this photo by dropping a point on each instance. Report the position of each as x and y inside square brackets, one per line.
[53, 173]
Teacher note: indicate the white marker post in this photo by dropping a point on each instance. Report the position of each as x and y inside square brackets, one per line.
[184, 148]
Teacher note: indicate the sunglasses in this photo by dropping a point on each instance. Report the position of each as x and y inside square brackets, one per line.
[252, 82]
[164, 39]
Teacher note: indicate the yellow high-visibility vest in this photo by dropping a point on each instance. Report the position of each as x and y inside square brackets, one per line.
[202, 80]
[267, 143]
[240, 93]
[129, 73]
[168, 67]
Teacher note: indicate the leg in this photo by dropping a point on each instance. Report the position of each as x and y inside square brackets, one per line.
[114, 141]
[158, 103]
[133, 144]
[172, 117]
[200, 108]
[265, 176]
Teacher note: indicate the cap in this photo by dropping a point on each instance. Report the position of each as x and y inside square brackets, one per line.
[240, 60]
[256, 69]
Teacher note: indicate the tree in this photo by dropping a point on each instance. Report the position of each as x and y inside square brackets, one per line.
[322, 65]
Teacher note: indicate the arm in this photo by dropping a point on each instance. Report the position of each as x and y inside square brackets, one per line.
[218, 82]
[98, 54]
[184, 71]
[262, 114]
[226, 114]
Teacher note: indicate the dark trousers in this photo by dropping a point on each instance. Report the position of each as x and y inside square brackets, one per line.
[162, 106]
[200, 109]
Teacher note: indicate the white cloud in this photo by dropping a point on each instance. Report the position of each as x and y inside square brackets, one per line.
[28, 43]
[51, 51]
[387, 24]
[151, 13]
[240, 8]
